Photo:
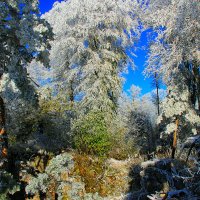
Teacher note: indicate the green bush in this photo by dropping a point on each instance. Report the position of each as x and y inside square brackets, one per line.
[91, 134]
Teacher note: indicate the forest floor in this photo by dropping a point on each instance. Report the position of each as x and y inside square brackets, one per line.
[107, 178]
[73, 176]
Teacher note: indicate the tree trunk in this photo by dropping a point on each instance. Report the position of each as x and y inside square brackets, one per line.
[71, 94]
[156, 84]
[3, 136]
[175, 139]
[158, 99]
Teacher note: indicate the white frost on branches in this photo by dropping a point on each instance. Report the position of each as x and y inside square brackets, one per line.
[88, 52]
[23, 37]
[177, 24]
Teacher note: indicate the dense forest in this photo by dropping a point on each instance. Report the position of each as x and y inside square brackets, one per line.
[68, 129]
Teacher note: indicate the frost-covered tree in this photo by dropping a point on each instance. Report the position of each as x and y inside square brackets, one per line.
[55, 111]
[176, 45]
[176, 23]
[88, 52]
[177, 105]
[23, 36]
[174, 54]
[139, 114]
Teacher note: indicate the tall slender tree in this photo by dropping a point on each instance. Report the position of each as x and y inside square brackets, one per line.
[156, 83]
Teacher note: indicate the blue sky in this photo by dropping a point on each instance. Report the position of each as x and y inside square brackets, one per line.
[136, 76]
[133, 77]
[46, 5]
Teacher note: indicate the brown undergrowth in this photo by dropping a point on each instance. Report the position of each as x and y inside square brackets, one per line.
[107, 177]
